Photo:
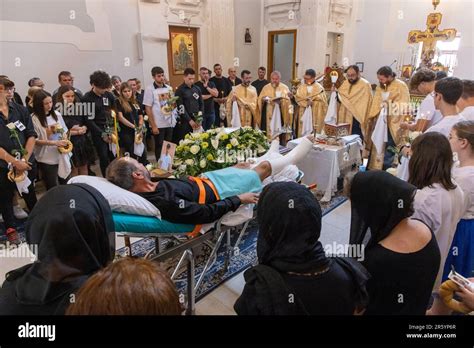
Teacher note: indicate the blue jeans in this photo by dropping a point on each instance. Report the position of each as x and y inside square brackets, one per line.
[208, 120]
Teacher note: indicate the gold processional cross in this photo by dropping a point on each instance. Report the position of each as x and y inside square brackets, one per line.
[430, 36]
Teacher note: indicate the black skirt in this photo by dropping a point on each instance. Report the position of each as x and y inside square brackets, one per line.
[83, 150]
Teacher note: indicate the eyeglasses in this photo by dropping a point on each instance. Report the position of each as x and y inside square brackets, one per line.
[10, 89]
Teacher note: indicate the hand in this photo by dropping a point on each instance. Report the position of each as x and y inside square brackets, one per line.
[107, 139]
[333, 88]
[277, 101]
[21, 166]
[60, 143]
[193, 124]
[404, 125]
[310, 103]
[155, 130]
[234, 98]
[406, 151]
[290, 95]
[248, 198]
[267, 100]
[467, 296]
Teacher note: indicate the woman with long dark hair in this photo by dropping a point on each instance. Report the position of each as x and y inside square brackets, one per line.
[402, 255]
[294, 275]
[77, 123]
[440, 202]
[51, 128]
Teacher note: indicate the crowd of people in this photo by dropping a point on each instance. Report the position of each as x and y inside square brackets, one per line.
[414, 230]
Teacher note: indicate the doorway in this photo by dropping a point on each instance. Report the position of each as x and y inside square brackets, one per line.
[282, 54]
[182, 53]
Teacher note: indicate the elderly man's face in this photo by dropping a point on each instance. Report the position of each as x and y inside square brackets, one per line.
[275, 79]
[232, 73]
[139, 167]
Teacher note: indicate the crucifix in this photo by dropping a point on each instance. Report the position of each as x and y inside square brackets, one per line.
[430, 37]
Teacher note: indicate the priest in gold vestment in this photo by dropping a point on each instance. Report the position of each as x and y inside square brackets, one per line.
[311, 94]
[246, 97]
[397, 100]
[355, 97]
[275, 93]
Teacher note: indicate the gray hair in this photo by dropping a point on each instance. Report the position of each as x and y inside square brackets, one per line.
[277, 73]
[119, 172]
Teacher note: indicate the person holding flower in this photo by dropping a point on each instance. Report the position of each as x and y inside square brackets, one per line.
[130, 116]
[51, 130]
[17, 140]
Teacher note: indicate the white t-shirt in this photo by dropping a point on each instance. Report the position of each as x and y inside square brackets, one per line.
[441, 211]
[468, 113]
[427, 111]
[446, 124]
[464, 176]
[50, 155]
[156, 98]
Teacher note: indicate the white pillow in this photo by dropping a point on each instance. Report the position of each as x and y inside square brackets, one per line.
[120, 200]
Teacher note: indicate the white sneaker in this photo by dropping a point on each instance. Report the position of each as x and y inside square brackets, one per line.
[19, 212]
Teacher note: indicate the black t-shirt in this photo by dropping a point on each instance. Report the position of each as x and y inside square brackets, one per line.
[18, 115]
[177, 201]
[132, 116]
[393, 274]
[208, 103]
[190, 102]
[102, 106]
[259, 84]
[223, 86]
[234, 83]
[17, 98]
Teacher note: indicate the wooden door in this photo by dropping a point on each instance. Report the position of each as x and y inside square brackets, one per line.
[182, 53]
[286, 54]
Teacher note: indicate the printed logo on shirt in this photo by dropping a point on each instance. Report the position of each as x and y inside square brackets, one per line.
[136, 106]
[105, 101]
[196, 96]
[20, 126]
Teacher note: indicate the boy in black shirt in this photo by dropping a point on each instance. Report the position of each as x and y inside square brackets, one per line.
[209, 92]
[103, 102]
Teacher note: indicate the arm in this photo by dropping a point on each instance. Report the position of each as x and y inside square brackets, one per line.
[182, 112]
[124, 121]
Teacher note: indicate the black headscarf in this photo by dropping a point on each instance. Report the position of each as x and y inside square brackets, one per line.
[73, 230]
[379, 202]
[289, 218]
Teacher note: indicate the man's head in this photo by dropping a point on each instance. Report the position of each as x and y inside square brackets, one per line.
[447, 92]
[262, 71]
[232, 73]
[65, 78]
[309, 76]
[246, 77]
[467, 97]
[218, 70]
[5, 84]
[36, 81]
[189, 76]
[441, 75]
[100, 81]
[204, 74]
[158, 75]
[10, 90]
[385, 75]
[353, 74]
[116, 82]
[423, 81]
[133, 85]
[128, 173]
[275, 78]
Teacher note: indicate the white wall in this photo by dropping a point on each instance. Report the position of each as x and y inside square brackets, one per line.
[383, 26]
[247, 14]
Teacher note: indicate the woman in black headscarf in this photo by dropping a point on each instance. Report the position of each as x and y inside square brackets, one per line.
[402, 255]
[294, 276]
[72, 229]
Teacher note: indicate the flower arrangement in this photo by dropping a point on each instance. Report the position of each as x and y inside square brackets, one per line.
[58, 129]
[198, 117]
[217, 149]
[140, 132]
[168, 105]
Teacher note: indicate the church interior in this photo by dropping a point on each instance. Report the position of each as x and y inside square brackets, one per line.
[237, 157]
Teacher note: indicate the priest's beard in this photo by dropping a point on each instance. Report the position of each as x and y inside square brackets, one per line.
[245, 84]
[275, 85]
[385, 85]
[353, 82]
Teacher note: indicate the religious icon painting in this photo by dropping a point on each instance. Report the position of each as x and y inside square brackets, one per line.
[248, 37]
[182, 48]
[407, 71]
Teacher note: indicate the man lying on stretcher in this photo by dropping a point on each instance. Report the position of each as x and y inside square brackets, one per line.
[207, 198]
